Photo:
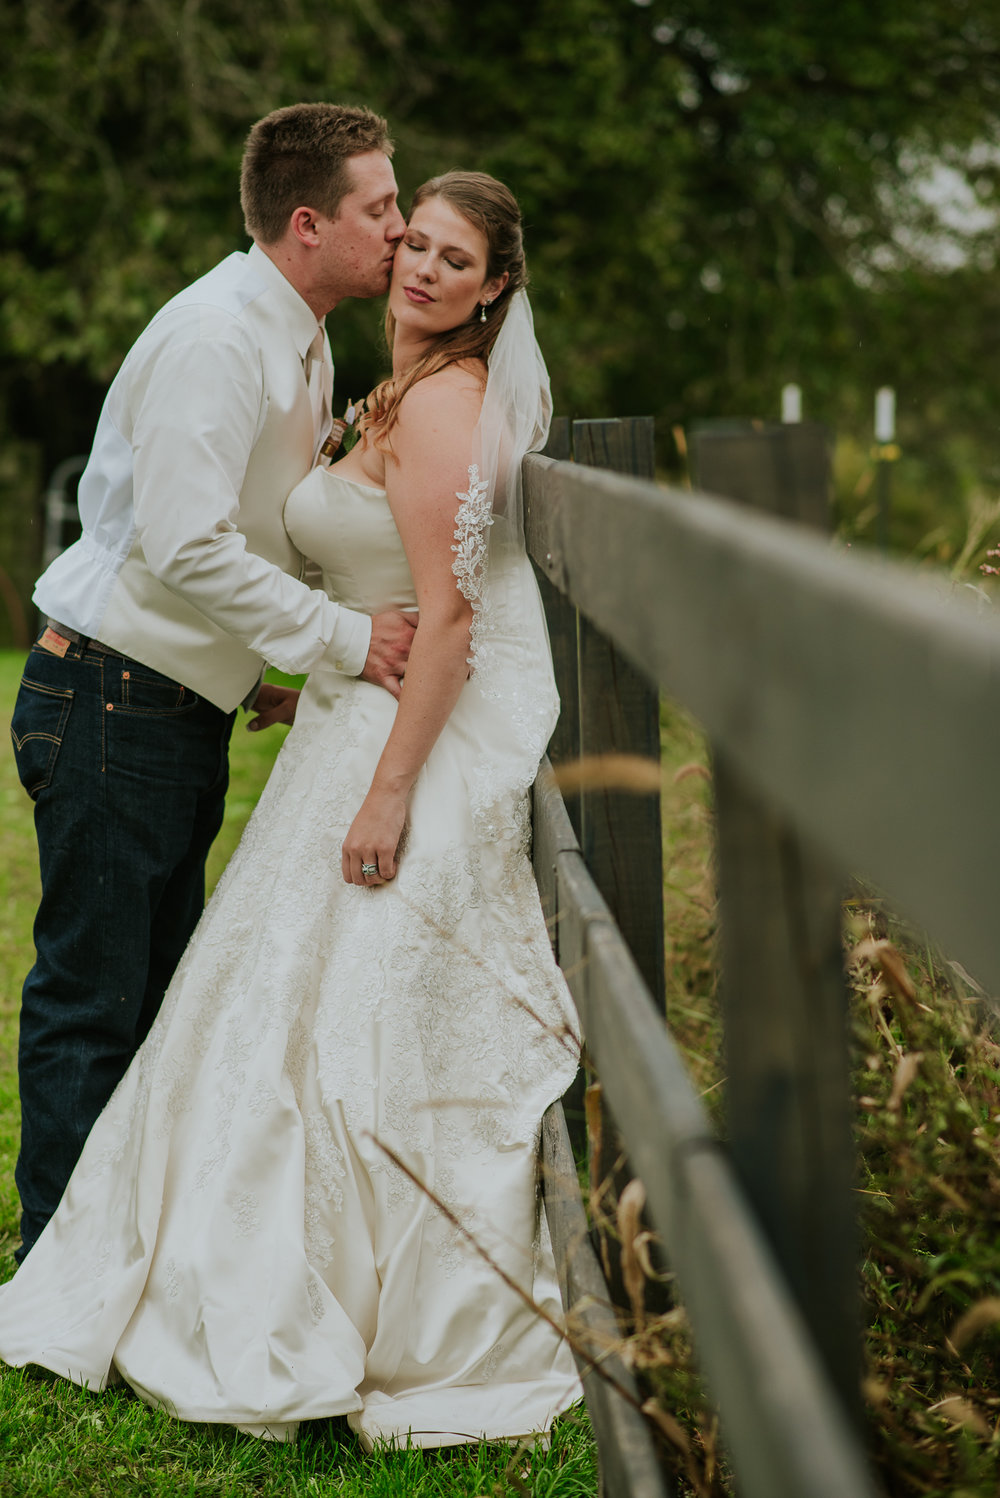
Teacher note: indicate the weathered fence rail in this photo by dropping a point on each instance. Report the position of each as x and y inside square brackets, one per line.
[861, 700]
[854, 716]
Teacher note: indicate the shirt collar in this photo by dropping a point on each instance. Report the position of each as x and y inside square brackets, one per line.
[301, 321]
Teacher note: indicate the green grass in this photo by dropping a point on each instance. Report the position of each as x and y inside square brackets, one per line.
[57, 1439]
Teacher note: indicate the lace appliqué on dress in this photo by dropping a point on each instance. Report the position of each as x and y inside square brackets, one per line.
[511, 667]
[472, 522]
[246, 1214]
[171, 1280]
[326, 1168]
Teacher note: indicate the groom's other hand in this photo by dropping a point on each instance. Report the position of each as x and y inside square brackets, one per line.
[392, 636]
[273, 704]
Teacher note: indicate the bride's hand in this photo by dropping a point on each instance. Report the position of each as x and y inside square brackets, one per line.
[373, 839]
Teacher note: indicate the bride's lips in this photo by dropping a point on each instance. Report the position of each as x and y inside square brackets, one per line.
[412, 294]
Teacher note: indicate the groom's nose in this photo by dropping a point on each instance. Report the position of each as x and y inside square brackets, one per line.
[396, 227]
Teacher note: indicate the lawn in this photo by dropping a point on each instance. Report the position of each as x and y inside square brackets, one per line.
[58, 1439]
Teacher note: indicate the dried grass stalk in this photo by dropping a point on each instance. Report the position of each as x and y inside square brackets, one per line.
[906, 1069]
[592, 1363]
[958, 1411]
[883, 955]
[629, 1214]
[694, 767]
[976, 1319]
[609, 772]
[677, 1436]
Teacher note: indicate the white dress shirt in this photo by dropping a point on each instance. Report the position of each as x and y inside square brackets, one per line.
[184, 563]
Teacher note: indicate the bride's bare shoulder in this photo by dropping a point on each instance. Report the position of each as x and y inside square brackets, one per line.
[452, 393]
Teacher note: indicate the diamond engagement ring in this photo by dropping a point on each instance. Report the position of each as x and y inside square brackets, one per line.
[369, 870]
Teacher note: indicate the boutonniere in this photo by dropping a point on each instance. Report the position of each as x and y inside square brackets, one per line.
[345, 429]
[340, 425]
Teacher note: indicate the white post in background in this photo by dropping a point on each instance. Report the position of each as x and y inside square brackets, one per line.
[885, 414]
[886, 452]
[791, 403]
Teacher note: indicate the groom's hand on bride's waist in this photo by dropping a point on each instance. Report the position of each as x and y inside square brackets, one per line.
[273, 704]
[392, 636]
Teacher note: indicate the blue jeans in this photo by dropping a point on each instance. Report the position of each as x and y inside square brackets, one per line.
[128, 771]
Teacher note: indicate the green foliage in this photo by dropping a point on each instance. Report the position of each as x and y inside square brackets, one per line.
[714, 192]
[19, 892]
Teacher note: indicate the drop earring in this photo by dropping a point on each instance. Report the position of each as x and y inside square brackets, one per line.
[482, 311]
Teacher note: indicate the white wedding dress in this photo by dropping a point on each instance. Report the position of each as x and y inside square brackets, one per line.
[238, 1241]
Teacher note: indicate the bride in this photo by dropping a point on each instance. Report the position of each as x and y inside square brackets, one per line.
[298, 1199]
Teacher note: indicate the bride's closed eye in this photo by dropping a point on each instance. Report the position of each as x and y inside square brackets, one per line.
[455, 264]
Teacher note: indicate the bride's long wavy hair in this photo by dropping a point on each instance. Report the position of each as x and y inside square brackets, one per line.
[491, 208]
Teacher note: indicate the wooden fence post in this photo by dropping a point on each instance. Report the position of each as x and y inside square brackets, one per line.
[783, 992]
[564, 747]
[608, 707]
[781, 468]
[561, 618]
[620, 833]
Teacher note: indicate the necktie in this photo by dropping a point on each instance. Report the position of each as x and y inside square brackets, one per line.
[319, 378]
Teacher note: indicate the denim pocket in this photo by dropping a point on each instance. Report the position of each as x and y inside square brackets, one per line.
[146, 692]
[36, 729]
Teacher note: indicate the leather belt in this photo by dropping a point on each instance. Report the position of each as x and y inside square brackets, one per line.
[75, 638]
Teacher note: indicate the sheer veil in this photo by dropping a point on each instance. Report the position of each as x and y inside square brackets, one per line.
[510, 657]
[517, 411]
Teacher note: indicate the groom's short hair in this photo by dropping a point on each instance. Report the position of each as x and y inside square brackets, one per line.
[297, 157]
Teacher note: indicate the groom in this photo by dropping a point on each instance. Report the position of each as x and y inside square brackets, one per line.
[161, 616]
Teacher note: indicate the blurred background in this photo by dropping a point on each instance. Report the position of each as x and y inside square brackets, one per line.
[722, 199]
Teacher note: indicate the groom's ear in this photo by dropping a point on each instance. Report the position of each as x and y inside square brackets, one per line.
[304, 225]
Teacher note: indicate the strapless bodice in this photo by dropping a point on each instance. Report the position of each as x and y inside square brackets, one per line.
[347, 529]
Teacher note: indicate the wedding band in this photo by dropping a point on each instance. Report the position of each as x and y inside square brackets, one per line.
[369, 870]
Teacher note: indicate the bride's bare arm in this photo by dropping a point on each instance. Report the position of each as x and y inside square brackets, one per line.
[432, 441]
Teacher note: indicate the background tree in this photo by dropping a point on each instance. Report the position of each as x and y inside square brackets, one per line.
[720, 196]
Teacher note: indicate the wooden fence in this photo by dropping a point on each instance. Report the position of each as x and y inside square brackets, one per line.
[853, 713]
